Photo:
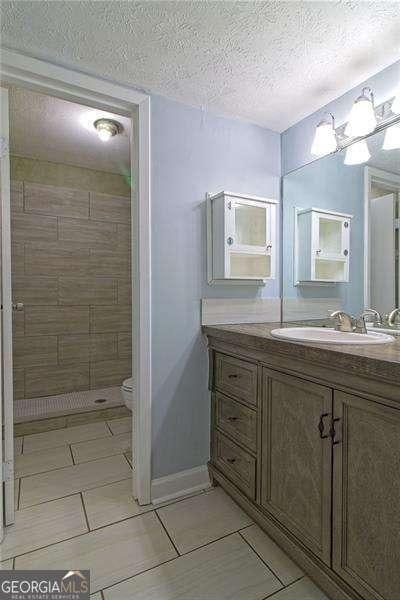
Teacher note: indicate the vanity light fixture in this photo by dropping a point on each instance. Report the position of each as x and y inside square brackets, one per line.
[392, 138]
[325, 140]
[362, 119]
[107, 128]
[357, 153]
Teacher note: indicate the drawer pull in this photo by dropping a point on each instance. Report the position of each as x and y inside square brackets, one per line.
[234, 376]
[233, 419]
[321, 426]
[332, 431]
[231, 460]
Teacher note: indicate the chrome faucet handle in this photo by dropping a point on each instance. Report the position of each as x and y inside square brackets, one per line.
[344, 321]
[371, 312]
[392, 317]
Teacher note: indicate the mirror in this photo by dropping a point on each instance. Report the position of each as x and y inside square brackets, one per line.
[341, 235]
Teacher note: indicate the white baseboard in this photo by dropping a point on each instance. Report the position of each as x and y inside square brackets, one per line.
[179, 484]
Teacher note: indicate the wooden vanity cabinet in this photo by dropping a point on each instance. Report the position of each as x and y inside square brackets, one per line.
[297, 458]
[317, 467]
[366, 496]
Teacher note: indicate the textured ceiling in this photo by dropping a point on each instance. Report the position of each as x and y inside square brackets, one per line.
[271, 62]
[48, 128]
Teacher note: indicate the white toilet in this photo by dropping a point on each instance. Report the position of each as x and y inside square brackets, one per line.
[127, 392]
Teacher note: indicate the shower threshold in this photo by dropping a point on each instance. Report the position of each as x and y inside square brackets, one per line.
[33, 409]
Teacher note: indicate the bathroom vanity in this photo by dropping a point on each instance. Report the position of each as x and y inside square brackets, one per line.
[306, 438]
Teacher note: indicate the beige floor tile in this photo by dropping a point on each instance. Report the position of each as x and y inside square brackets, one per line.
[118, 426]
[70, 480]
[112, 553]
[43, 460]
[6, 565]
[18, 445]
[202, 519]
[116, 444]
[69, 435]
[304, 589]
[225, 570]
[42, 525]
[276, 559]
[31, 427]
[111, 503]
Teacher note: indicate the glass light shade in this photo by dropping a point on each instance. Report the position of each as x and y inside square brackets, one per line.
[362, 119]
[104, 134]
[357, 153]
[392, 138]
[324, 139]
[396, 103]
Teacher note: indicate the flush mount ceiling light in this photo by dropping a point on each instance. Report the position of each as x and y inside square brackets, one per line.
[392, 138]
[107, 128]
[357, 153]
[362, 119]
[325, 140]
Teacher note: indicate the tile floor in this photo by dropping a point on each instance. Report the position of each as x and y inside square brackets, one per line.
[75, 511]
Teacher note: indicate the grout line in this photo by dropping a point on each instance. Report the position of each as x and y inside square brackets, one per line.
[101, 594]
[262, 560]
[84, 510]
[109, 428]
[103, 437]
[284, 588]
[167, 533]
[72, 454]
[22, 445]
[19, 493]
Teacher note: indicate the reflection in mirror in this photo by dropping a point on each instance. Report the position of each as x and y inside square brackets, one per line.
[341, 236]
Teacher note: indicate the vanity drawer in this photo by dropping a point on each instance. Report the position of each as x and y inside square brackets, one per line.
[236, 377]
[235, 463]
[236, 420]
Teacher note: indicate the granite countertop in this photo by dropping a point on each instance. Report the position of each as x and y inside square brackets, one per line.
[379, 361]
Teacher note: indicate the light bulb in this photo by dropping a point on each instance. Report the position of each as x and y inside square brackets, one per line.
[396, 103]
[357, 153]
[392, 138]
[107, 128]
[324, 139]
[362, 119]
[104, 134]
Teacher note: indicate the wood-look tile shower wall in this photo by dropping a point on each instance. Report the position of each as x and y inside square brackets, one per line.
[71, 268]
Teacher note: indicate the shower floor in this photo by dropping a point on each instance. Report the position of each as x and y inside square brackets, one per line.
[31, 409]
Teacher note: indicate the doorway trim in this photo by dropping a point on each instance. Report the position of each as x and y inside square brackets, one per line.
[75, 86]
[373, 175]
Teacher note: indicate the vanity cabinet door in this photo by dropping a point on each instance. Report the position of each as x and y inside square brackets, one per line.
[296, 461]
[366, 499]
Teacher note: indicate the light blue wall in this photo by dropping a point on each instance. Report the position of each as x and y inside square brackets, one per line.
[326, 183]
[193, 153]
[296, 141]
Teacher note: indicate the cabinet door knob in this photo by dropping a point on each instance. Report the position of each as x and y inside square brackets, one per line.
[231, 460]
[269, 247]
[18, 306]
[229, 241]
[233, 376]
[332, 431]
[345, 252]
[321, 426]
[233, 419]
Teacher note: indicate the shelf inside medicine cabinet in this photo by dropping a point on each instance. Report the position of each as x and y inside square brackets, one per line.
[241, 231]
[322, 246]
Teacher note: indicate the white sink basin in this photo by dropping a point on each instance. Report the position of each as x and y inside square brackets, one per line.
[325, 335]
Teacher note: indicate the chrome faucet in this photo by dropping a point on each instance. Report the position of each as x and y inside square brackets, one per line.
[377, 320]
[392, 317]
[344, 321]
